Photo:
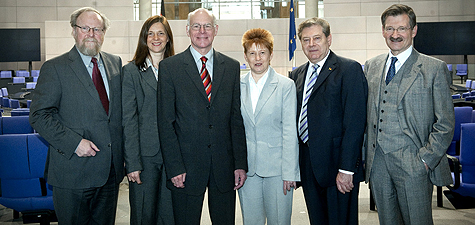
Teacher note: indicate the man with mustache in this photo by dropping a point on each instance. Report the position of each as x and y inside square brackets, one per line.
[410, 124]
[76, 107]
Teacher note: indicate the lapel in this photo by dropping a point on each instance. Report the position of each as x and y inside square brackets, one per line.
[246, 97]
[193, 73]
[78, 68]
[218, 74]
[267, 90]
[409, 72]
[328, 68]
[376, 79]
[149, 78]
[299, 84]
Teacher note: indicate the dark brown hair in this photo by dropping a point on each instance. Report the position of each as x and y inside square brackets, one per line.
[142, 52]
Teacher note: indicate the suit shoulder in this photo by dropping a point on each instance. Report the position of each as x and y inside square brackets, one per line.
[377, 58]
[293, 75]
[429, 59]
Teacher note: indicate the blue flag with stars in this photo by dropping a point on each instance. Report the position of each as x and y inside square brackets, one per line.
[292, 45]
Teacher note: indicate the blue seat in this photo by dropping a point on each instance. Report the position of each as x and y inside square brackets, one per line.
[462, 71]
[22, 73]
[35, 73]
[28, 103]
[20, 112]
[14, 103]
[462, 115]
[22, 162]
[30, 85]
[6, 102]
[5, 92]
[6, 74]
[470, 98]
[466, 94]
[16, 125]
[473, 116]
[18, 80]
[468, 84]
[456, 96]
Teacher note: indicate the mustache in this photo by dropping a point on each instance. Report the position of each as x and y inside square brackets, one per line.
[399, 39]
[90, 39]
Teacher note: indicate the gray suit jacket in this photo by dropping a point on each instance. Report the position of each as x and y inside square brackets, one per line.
[425, 110]
[139, 103]
[271, 135]
[66, 108]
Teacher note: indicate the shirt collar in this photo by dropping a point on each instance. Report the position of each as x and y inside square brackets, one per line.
[197, 56]
[320, 63]
[87, 59]
[261, 81]
[401, 57]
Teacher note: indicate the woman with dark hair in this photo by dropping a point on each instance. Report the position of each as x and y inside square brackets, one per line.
[268, 108]
[150, 200]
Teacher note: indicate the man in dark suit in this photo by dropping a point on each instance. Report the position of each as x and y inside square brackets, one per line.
[200, 126]
[331, 103]
[410, 123]
[76, 107]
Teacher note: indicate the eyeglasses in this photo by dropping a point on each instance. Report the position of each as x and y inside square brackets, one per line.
[197, 26]
[95, 30]
[401, 30]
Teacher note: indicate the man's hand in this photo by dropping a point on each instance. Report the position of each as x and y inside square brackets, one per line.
[86, 148]
[288, 185]
[179, 181]
[344, 182]
[239, 178]
[134, 177]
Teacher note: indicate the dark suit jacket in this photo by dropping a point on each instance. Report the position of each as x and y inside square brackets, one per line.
[197, 135]
[66, 108]
[139, 100]
[336, 117]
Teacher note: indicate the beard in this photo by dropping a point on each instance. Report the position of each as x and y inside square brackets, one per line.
[89, 50]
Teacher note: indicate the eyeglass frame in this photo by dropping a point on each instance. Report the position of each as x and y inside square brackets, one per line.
[86, 29]
[401, 29]
[206, 26]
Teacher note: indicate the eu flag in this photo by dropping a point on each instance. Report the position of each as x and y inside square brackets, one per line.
[292, 45]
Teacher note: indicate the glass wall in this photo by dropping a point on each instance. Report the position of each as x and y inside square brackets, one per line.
[230, 9]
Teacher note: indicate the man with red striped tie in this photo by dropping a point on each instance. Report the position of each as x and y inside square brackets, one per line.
[200, 126]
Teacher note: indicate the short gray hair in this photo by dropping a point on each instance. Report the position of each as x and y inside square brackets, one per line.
[312, 22]
[78, 12]
[201, 9]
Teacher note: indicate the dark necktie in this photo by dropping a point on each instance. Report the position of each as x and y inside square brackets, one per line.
[303, 125]
[205, 77]
[392, 70]
[99, 83]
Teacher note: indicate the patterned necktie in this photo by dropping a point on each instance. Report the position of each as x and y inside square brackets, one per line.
[303, 125]
[392, 70]
[99, 83]
[205, 77]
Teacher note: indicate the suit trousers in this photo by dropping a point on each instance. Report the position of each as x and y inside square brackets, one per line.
[150, 202]
[93, 206]
[401, 188]
[222, 206]
[263, 197]
[326, 205]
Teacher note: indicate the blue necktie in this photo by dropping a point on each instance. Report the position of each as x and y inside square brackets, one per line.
[303, 125]
[392, 70]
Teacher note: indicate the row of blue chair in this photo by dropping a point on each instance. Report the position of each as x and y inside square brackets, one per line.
[23, 187]
[19, 73]
[15, 125]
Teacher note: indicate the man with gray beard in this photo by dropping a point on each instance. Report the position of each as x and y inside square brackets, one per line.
[76, 107]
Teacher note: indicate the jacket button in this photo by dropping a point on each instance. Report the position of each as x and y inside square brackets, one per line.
[374, 126]
[380, 130]
[209, 146]
[210, 126]
[382, 111]
[109, 145]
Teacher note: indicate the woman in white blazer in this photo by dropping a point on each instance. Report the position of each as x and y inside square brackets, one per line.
[268, 107]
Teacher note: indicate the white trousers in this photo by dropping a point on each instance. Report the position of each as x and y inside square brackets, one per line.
[263, 198]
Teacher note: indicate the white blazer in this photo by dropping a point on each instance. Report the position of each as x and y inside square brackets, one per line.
[271, 131]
